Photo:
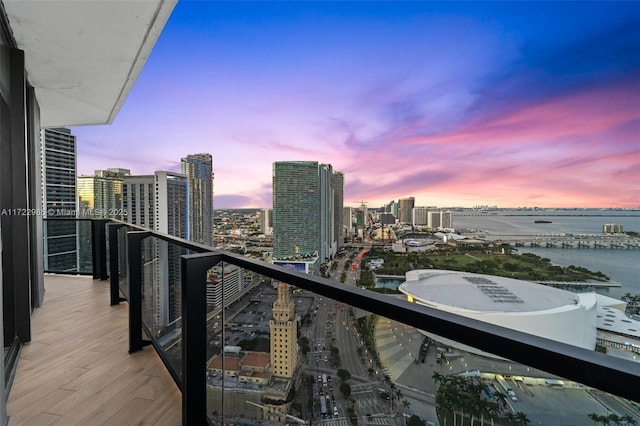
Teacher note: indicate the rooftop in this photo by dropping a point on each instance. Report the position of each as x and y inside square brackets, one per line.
[485, 293]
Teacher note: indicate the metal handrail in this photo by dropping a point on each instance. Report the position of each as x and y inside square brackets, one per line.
[591, 368]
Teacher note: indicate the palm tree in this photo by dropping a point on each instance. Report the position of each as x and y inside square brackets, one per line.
[473, 403]
[489, 408]
[594, 417]
[501, 398]
[603, 419]
[437, 377]
[406, 404]
[614, 418]
[628, 420]
[493, 410]
[522, 418]
[510, 417]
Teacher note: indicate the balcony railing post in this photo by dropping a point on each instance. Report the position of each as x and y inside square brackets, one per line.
[114, 270]
[134, 246]
[194, 336]
[99, 248]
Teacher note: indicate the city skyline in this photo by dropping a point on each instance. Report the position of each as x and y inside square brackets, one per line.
[455, 104]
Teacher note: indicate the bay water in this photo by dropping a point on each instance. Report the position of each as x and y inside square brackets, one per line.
[621, 265]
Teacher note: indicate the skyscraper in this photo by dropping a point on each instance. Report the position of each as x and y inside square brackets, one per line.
[347, 222]
[303, 212]
[434, 220]
[440, 219]
[362, 216]
[159, 202]
[59, 199]
[392, 208]
[266, 221]
[198, 168]
[337, 184]
[100, 195]
[419, 216]
[405, 207]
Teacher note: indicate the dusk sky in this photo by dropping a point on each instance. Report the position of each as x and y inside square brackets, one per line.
[457, 104]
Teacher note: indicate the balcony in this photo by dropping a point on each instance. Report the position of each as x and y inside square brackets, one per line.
[231, 343]
[76, 369]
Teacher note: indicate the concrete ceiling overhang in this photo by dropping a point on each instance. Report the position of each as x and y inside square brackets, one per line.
[83, 57]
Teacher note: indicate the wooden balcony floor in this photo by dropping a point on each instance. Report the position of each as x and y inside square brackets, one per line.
[77, 370]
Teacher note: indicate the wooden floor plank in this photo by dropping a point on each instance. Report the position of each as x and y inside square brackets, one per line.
[42, 419]
[77, 369]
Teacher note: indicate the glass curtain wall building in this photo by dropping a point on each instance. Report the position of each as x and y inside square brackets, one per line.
[59, 198]
[337, 183]
[198, 168]
[100, 195]
[303, 211]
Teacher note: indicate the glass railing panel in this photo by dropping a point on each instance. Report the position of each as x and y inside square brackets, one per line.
[330, 362]
[161, 296]
[85, 247]
[123, 262]
[442, 379]
[107, 252]
[61, 254]
[238, 363]
[281, 354]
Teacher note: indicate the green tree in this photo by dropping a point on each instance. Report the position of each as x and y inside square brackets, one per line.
[343, 374]
[501, 398]
[345, 388]
[304, 345]
[614, 418]
[522, 418]
[406, 404]
[510, 417]
[415, 421]
[351, 413]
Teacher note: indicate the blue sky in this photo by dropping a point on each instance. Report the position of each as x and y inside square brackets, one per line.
[457, 104]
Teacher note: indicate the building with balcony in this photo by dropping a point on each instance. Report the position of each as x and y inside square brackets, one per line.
[337, 186]
[159, 202]
[304, 195]
[100, 195]
[612, 228]
[266, 221]
[59, 198]
[347, 222]
[405, 209]
[419, 216]
[226, 284]
[439, 220]
[64, 64]
[59, 165]
[66, 358]
[198, 168]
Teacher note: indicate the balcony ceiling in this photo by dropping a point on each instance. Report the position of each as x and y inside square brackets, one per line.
[83, 57]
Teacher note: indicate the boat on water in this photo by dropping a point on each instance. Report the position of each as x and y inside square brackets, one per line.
[542, 221]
